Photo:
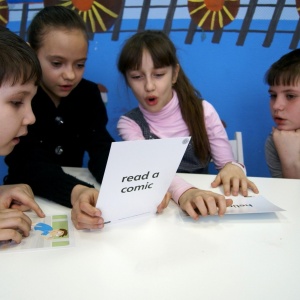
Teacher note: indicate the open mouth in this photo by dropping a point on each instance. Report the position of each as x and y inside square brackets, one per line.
[152, 100]
[279, 121]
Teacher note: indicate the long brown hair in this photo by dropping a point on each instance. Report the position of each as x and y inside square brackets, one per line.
[163, 53]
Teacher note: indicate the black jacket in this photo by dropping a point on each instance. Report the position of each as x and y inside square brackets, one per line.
[59, 137]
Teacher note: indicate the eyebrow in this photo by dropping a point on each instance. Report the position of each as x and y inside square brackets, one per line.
[21, 92]
[286, 90]
[63, 58]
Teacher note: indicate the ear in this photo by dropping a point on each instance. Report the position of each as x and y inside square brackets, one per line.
[175, 73]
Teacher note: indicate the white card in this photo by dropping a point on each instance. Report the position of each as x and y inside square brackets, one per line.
[251, 205]
[138, 175]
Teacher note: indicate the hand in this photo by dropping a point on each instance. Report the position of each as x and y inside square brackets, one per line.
[84, 214]
[164, 203]
[13, 225]
[199, 202]
[287, 143]
[19, 196]
[234, 181]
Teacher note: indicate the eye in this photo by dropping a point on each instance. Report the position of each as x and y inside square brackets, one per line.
[158, 75]
[136, 76]
[272, 96]
[56, 64]
[290, 96]
[17, 103]
[80, 65]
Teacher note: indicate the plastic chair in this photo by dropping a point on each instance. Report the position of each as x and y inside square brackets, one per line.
[237, 147]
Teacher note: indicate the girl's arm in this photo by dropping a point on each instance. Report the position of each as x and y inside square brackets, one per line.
[221, 150]
[232, 177]
[196, 202]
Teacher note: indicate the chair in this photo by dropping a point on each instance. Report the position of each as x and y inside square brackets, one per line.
[237, 147]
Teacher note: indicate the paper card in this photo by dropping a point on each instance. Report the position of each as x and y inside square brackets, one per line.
[248, 205]
[251, 205]
[50, 232]
[138, 175]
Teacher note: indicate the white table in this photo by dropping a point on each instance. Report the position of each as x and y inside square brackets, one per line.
[164, 257]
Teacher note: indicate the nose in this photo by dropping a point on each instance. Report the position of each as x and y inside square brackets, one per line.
[149, 85]
[69, 73]
[29, 117]
[278, 103]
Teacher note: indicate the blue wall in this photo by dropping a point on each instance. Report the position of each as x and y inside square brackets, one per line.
[227, 75]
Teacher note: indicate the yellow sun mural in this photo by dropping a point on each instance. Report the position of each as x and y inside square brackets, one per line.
[298, 6]
[99, 15]
[213, 14]
[3, 13]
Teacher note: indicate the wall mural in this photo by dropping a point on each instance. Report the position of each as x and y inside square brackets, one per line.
[105, 16]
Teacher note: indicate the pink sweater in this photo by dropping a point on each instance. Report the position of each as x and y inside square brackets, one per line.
[169, 123]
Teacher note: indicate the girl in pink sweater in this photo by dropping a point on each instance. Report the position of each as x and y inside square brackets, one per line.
[169, 106]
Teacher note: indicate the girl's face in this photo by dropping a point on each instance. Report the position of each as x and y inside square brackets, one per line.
[152, 87]
[62, 57]
[285, 106]
[15, 113]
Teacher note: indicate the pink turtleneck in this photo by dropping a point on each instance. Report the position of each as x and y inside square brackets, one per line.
[168, 123]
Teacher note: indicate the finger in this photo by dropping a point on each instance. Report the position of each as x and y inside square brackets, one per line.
[19, 223]
[36, 208]
[211, 206]
[19, 206]
[226, 187]
[189, 209]
[83, 221]
[235, 186]
[244, 187]
[10, 234]
[160, 207]
[222, 205]
[216, 182]
[11, 213]
[229, 202]
[252, 186]
[88, 224]
[165, 202]
[202, 206]
[26, 204]
[89, 210]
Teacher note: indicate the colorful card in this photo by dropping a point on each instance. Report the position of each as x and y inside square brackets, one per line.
[49, 232]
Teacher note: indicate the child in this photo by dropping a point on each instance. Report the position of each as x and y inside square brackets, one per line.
[19, 75]
[70, 119]
[169, 106]
[282, 148]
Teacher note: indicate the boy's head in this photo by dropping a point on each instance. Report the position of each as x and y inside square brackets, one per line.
[18, 62]
[283, 79]
[20, 74]
[285, 71]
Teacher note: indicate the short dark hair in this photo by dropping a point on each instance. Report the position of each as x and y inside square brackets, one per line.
[285, 71]
[18, 61]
